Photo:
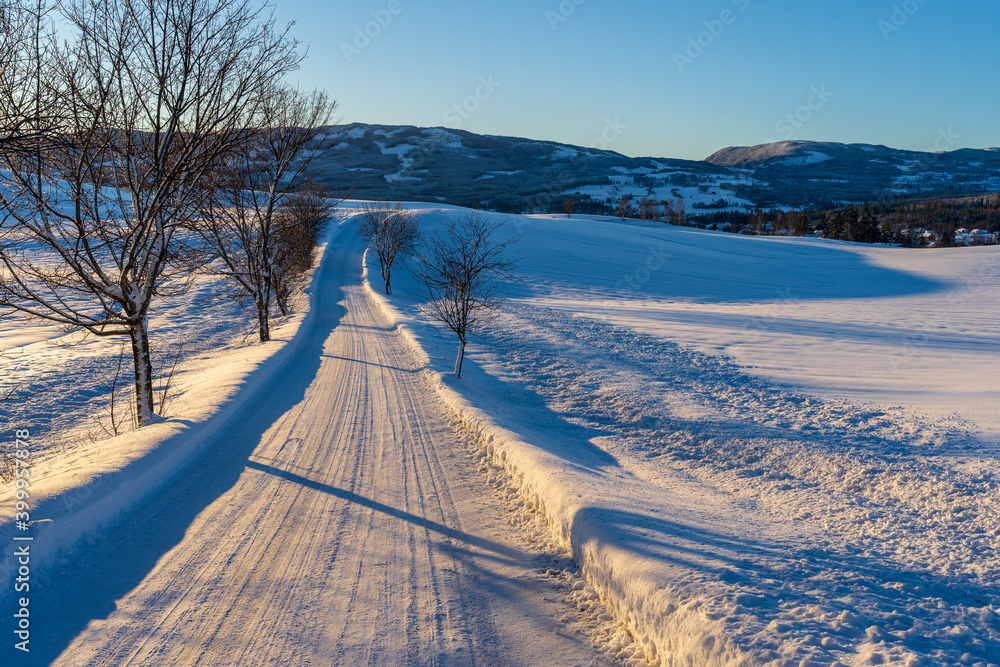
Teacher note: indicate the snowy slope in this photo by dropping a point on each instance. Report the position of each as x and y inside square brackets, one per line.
[891, 326]
[748, 462]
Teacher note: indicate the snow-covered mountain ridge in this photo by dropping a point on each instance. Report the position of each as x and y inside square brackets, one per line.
[516, 175]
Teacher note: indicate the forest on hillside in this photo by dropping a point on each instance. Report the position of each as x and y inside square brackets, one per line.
[910, 222]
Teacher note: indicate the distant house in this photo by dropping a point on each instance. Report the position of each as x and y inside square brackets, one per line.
[982, 237]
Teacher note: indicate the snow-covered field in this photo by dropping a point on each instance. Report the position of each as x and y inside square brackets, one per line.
[62, 378]
[760, 450]
[867, 323]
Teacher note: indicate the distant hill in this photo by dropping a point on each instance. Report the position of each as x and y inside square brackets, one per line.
[518, 175]
[745, 156]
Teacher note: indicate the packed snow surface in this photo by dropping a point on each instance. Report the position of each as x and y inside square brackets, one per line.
[331, 516]
[761, 451]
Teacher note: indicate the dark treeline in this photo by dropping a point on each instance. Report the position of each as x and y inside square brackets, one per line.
[971, 220]
[911, 222]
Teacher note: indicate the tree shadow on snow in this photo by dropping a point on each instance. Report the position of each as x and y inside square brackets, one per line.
[497, 550]
[714, 269]
[86, 589]
[525, 412]
[765, 575]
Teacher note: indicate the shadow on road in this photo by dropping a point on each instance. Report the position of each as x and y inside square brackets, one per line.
[86, 588]
[451, 533]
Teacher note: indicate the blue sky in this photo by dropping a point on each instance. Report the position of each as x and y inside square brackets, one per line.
[664, 78]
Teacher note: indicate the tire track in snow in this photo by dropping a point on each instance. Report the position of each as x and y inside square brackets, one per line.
[322, 529]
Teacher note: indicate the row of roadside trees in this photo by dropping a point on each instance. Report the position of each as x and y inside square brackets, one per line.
[141, 142]
[461, 269]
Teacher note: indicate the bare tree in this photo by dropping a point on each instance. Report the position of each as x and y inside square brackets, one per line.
[390, 230]
[303, 216]
[240, 222]
[569, 206]
[27, 59]
[679, 215]
[462, 275]
[624, 208]
[151, 97]
[668, 211]
[649, 209]
[112, 422]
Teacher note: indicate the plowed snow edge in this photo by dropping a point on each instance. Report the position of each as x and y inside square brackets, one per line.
[672, 629]
[75, 506]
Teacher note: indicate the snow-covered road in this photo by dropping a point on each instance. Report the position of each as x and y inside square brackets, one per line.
[338, 522]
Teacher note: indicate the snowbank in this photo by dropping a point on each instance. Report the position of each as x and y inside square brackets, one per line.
[85, 492]
[581, 506]
[726, 517]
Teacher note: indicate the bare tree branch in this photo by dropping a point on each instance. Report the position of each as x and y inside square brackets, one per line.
[242, 222]
[28, 115]
[12, 396]
[390, 230]
[304, 215]
[150, 97]
[463, 274]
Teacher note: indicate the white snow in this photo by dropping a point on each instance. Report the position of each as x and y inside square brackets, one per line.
[80, 486]
[813, 157]
[335, 518]
[494, 174]
[449, 139]
[707, 192]
[399, 151]
[761, 451]
[564, 152]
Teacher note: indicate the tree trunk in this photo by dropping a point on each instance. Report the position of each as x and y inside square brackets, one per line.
[460, 358]
[281, 298]
[143, 373]
[263, 320]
